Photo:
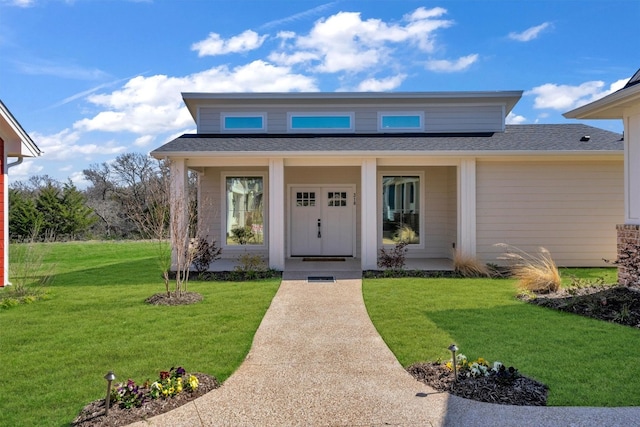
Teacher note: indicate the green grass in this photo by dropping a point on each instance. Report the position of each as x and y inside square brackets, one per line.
[55, 352]
[585, 362]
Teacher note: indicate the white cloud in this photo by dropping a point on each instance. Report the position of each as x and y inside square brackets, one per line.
[19, 3]
[446, 66]
[566, 97]
[66, 145]
[25, 169]
[215, 45]
[530, 33]
[514, 119]
[380, 85]
[59, 69]
[144, 140]
[152, 105]
[78, 179]
[346, 42]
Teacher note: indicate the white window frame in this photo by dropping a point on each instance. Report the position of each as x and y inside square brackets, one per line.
[419, 114]
[224, 129]
[291, 115]
[225, 201]
[421, 222]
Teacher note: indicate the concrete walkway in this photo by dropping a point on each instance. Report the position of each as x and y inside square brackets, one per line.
[317, 360]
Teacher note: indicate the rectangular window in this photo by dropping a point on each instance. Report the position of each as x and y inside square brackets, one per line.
[245, 210]
[320, 122]
[243, 122]
[401, 209]
[400, 121]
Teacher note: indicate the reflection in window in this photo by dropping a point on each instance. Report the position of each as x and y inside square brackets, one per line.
[245, 211]
[400, 209]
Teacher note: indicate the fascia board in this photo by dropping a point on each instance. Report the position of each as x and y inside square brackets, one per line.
[608, 107]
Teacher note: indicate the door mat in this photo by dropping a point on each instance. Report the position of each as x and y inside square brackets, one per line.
[321, 259]
[321, 279]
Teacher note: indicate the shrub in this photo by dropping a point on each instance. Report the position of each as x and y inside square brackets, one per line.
[249, 265]
[393, 259]
[205, 254]
[535, 272]
[469, 266]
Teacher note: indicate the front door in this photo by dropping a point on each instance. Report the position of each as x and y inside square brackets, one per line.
[322, 221]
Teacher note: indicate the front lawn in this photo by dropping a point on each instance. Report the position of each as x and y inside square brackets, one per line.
[585, 362]
[56, 351]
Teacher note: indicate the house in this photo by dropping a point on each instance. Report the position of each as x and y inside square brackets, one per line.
[624, 104]
[300, 175]
[14, 142]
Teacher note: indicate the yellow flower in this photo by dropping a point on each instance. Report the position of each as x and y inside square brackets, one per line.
[193, 382]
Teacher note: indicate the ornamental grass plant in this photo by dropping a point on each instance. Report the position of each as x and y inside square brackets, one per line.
[536, 272]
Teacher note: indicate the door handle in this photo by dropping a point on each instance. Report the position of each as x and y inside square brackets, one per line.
[319, 229]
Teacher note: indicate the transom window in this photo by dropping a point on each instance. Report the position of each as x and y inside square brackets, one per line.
[245, 210]
[402, 121]
[401, 209]
[320, 122]
[243, 122]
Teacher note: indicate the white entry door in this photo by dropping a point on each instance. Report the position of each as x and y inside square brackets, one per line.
[322, 221]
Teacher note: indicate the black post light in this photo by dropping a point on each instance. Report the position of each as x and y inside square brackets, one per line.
[110, 377]
[453, 348]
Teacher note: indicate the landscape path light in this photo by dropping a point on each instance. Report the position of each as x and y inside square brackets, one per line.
[453, 348]
[110, 377]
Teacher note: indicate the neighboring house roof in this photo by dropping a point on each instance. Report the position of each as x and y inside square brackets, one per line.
[517, 139]
[611, 106]
[17, 142]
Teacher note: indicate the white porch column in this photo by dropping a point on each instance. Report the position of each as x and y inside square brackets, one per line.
[467, 207]
[179, 207]
[369, 214]
[632, 165]
[277, 214]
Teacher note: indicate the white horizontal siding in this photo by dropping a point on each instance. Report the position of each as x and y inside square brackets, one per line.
[570, 208]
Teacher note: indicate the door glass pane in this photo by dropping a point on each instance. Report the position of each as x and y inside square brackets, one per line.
[401, 209]
[245, 211]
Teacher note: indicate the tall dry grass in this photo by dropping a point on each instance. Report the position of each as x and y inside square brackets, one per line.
[535, 272]
[469, 266]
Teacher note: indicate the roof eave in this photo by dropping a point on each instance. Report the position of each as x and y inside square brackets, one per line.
[611, 106]
[30, 149]
[391, 153]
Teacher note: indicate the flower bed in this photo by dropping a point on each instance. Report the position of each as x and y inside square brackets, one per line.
[131, 402]
[479, 380]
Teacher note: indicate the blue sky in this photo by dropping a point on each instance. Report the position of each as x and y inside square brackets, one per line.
[92, 79]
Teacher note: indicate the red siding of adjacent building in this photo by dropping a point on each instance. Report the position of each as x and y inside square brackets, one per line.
[3, 272]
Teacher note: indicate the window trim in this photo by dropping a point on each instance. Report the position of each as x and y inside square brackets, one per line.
[225, 200]
[248, 114]
[383, 114]
[291, 115]
[421, 194]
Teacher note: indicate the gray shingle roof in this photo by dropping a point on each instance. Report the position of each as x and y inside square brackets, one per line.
[516, 138]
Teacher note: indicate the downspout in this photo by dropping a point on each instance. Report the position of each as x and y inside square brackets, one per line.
[6, 172]
[16, 163]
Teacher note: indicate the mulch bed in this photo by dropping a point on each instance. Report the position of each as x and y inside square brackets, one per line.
[522, 392]
[93, 413]
[617, 304]
[185, 298]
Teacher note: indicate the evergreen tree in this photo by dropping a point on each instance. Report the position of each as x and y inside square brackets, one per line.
[76, 216]
[24, 217]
